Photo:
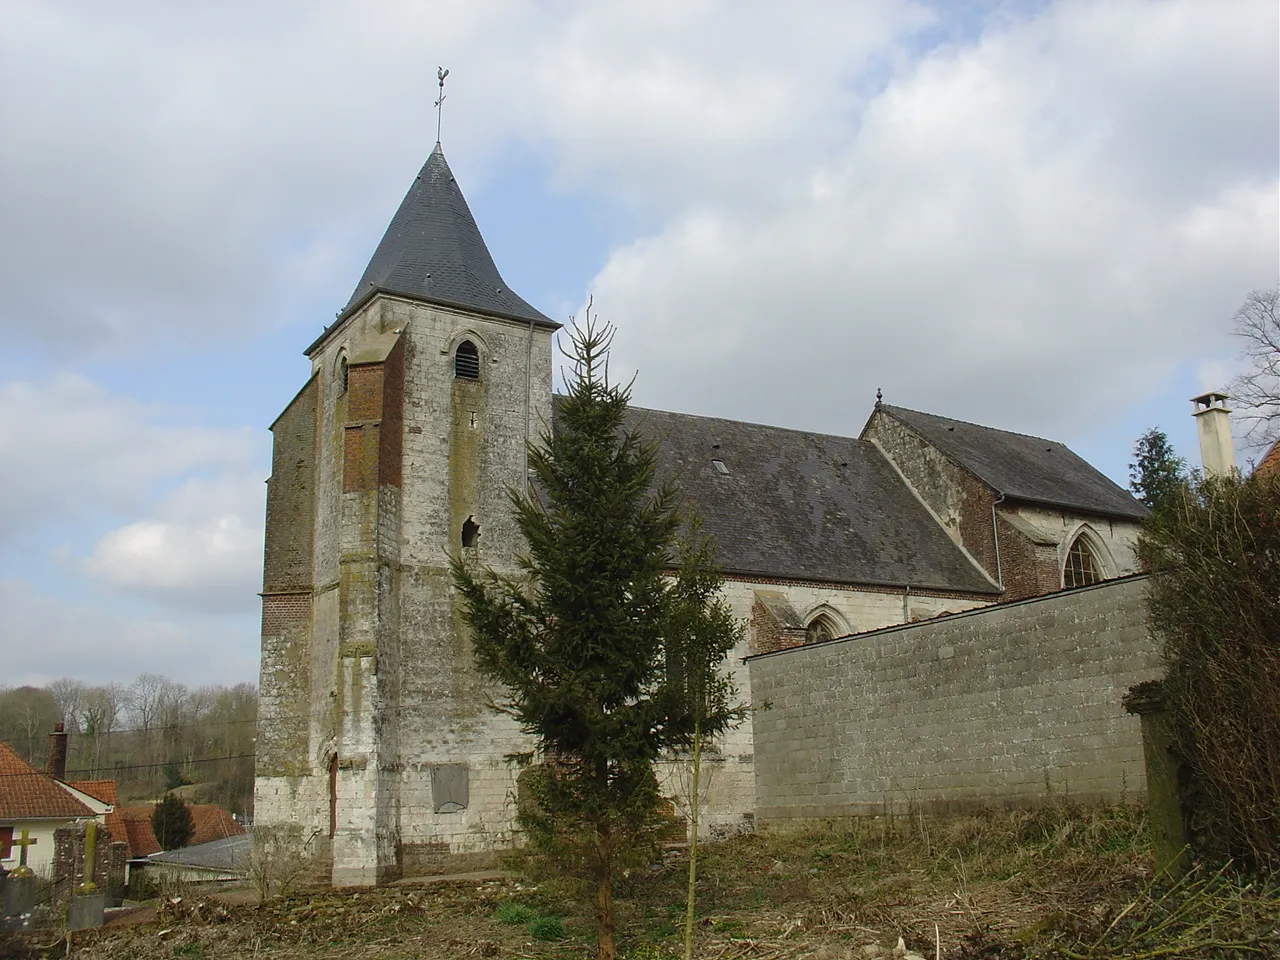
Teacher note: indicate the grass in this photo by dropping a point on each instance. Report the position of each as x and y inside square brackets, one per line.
[1059, 883]
[515, 913]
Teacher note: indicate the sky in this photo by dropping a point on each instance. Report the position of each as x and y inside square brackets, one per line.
[1039, 216]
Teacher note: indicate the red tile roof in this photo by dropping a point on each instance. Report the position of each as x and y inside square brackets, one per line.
[132, 825]
[28, 794]
[104, 790]
[1271, 462]
[213, 823]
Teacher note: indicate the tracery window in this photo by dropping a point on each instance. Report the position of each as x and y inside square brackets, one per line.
[1082, 566]
[820, 628]
[466, 361]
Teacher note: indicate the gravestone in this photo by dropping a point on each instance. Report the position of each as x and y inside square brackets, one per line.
[18, 888]
[82, 865]
[86, 910]
[17, 898]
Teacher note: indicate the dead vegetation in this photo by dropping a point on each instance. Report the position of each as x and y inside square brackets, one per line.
[1053, 884]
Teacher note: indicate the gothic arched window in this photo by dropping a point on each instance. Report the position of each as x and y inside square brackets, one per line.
[1082, 566]
[466, 361]
[820, 628]
[344, 374]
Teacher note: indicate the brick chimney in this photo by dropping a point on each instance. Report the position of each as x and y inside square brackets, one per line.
[1217, 453]
[56, 764]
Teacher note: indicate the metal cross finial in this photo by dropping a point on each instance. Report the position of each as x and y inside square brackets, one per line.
[441, 73]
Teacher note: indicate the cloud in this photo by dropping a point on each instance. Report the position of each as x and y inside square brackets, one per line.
[52, 637]
[1021, 232]
[72, 449]
[201, 551]
[192, 174]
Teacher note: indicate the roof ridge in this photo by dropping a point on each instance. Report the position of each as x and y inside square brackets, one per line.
[750, 423]
[739, 423]
[969, 423]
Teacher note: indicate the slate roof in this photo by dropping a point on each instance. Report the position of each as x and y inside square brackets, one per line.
[1022, 467]
[805, 506]
[28, 794]
[228, 854]
[433, 251]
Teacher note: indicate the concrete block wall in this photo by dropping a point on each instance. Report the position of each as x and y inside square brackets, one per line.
[730, 805]
[1011, 703]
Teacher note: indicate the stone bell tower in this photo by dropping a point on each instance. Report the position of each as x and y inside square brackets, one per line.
[397, 454]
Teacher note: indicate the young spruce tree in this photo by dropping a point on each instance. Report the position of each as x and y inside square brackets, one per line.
[701, 631]
[1158, 476]
[589, 642]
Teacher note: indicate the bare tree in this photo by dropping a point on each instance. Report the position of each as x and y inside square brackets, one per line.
[68, 695]
[27, 714]
[1257, 390]
[99, 714]
[145, 702]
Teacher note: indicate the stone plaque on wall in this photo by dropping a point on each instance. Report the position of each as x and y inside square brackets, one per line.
[449, 787]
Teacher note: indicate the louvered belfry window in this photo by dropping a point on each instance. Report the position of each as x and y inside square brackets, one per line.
[466, 361]
[1081, 569]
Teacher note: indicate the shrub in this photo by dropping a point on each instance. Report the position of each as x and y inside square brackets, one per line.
[172, 823]
[1214, 603]
[279, 859]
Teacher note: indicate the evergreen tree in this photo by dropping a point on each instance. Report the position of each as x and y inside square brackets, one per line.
[172, 823]
[1157, 476]
[580, 640]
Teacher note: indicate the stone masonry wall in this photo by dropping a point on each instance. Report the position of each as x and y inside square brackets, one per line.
[1026, 566]
[961, 502]
[1004, 704]
[1117, 537]
[463, 450]
[285, 688]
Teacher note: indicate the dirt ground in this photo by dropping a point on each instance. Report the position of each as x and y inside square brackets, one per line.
[1059, 885]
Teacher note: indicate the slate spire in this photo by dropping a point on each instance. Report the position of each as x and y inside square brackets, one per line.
[433, 251]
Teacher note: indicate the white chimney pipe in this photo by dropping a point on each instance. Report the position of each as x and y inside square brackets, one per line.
[1217, 452]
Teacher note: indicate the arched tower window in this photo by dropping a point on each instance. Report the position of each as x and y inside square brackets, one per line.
[1082, 566]
[466, 361]
[344, 375]
[820, 628]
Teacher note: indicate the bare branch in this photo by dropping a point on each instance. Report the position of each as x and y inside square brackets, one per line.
[1257, 390]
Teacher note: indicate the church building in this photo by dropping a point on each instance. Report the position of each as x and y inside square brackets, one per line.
[376, 738]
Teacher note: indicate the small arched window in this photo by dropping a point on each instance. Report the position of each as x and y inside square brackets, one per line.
[820, 628]
[1082, 566]
[466, 361]
[344, 375]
